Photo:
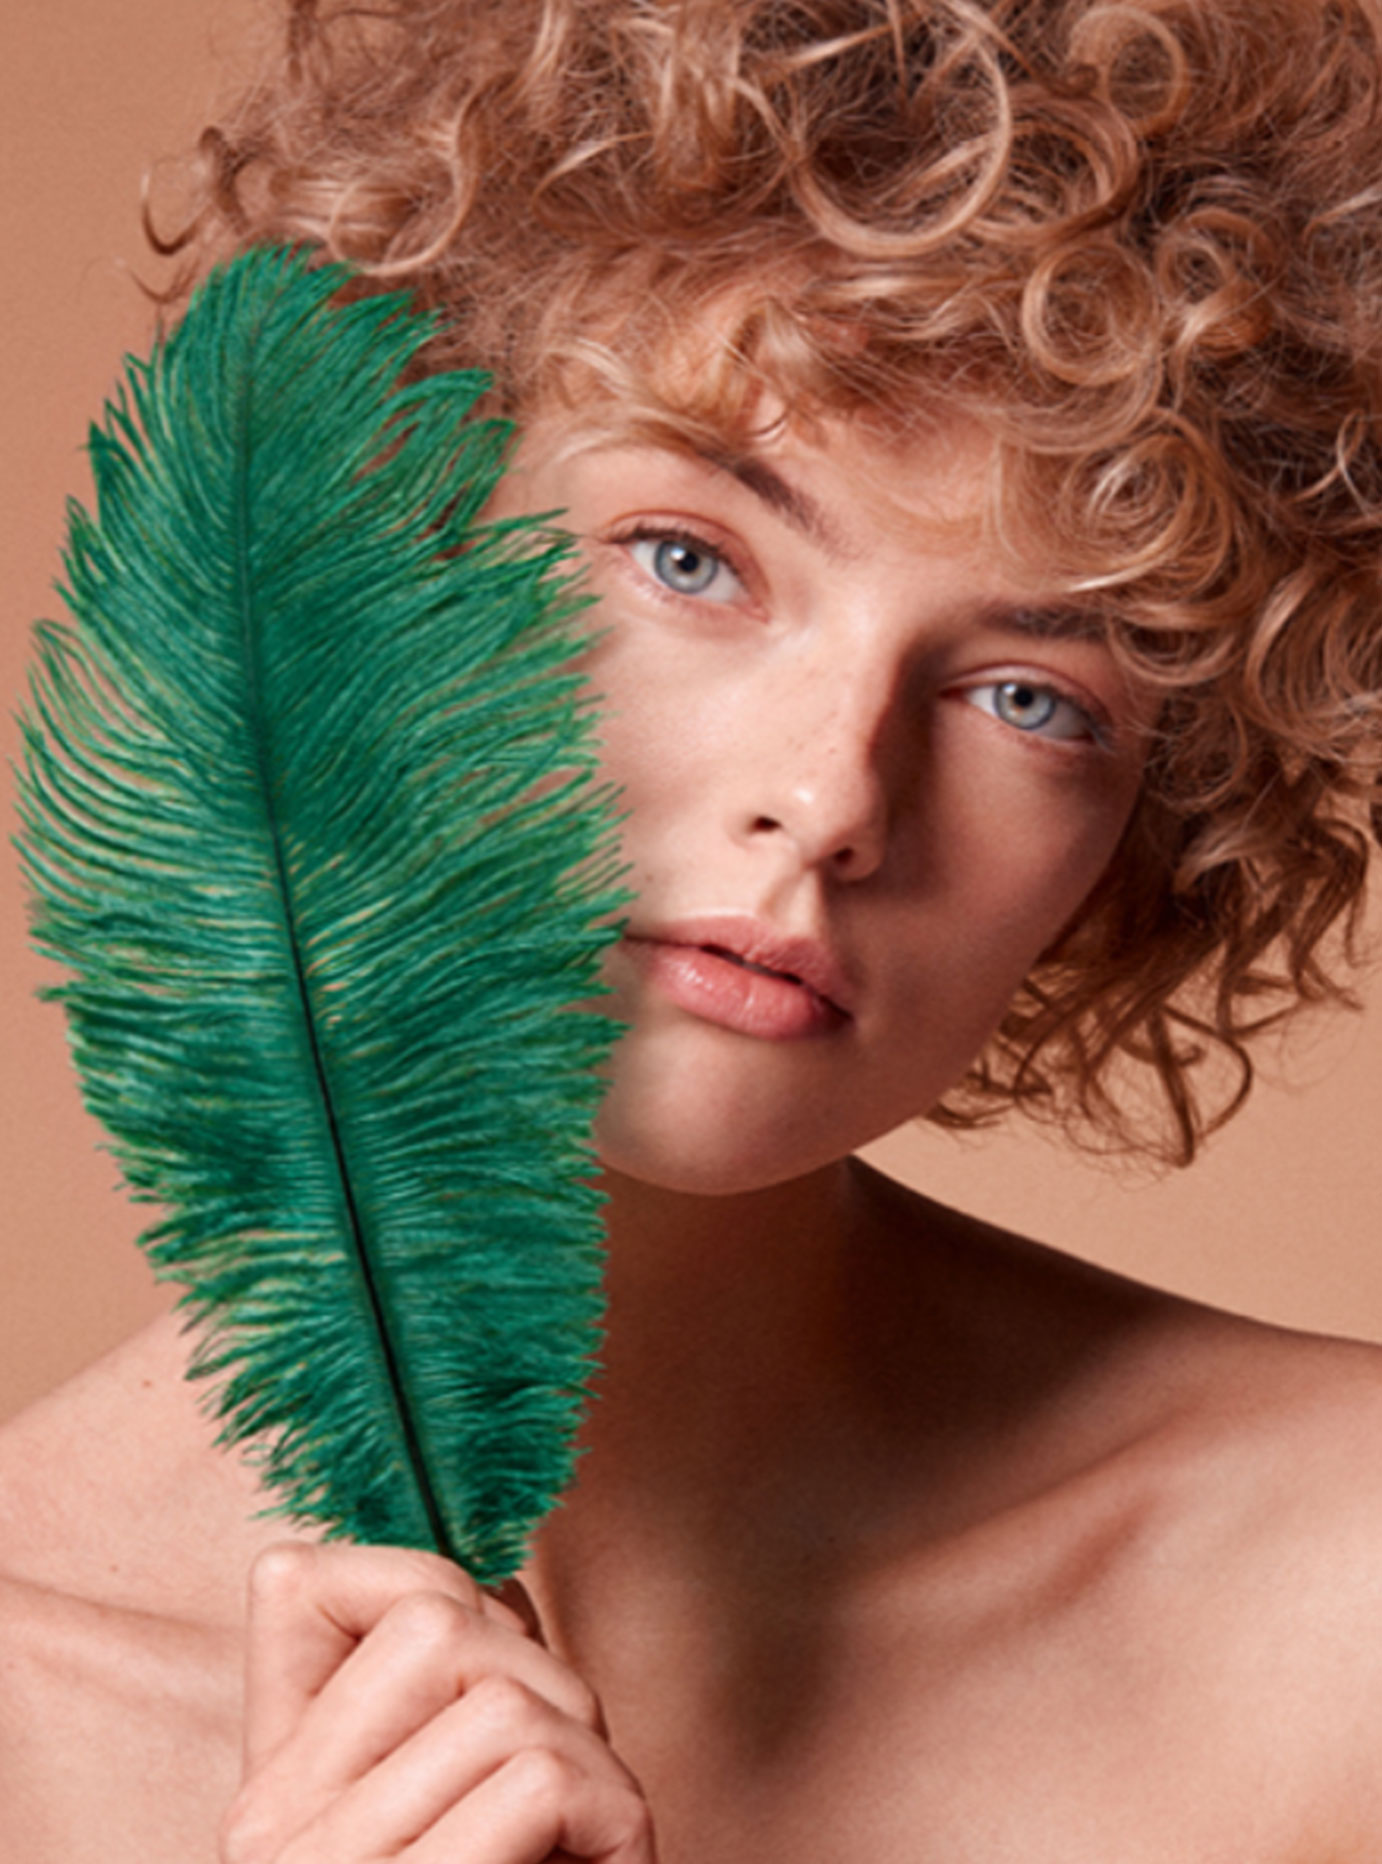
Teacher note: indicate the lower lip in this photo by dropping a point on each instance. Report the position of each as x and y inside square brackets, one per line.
[720, 991]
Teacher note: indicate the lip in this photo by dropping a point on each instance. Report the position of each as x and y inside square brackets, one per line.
[809, 993]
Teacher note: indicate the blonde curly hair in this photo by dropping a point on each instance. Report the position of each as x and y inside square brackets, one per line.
[1140, 240]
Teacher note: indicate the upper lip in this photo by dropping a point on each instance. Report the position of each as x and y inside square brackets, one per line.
[810, 960]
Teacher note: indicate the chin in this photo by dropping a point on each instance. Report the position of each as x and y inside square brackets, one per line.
[708, 1146]
[698, 1175]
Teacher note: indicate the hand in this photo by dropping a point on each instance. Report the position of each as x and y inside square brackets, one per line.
[394, 1711]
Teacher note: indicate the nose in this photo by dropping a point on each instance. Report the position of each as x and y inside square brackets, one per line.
[817, 775]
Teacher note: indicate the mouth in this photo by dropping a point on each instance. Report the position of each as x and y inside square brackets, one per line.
[765, 970]
[747, 964]
[744, 965]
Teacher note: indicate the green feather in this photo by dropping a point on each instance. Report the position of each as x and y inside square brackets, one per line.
[312, 817]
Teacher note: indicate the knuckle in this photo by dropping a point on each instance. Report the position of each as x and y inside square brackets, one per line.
[501, 1703]
[543, 1777]
[431, 1620]
[638, 1819]
[282, 1571]
[631, 1826]
[585, 1704]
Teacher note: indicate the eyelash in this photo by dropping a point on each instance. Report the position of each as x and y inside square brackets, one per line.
[1096, 726]
[659, 534]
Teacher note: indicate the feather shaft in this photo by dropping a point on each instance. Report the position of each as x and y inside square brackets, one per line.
[311, 815]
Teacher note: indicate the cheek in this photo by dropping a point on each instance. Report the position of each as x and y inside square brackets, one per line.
[1025, 891]
[1025, 835]
[1003, 859]
[665, 730]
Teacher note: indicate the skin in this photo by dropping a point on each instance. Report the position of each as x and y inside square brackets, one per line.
[895, 1537]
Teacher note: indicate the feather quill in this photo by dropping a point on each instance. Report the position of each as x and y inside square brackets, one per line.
[311, 816]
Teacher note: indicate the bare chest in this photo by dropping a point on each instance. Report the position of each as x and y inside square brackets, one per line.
[1071, 1741]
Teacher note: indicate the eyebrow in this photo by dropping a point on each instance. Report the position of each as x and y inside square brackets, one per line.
[788, 501]
[1047, 621]
[1050, 621]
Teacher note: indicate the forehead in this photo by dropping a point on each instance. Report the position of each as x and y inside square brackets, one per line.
[938, 479]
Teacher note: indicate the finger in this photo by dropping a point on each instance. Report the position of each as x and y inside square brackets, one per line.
[513, 1596]
[310, 1605]
[538, 1804]
[417, 1785]
[513, 1601]
[425, 1652]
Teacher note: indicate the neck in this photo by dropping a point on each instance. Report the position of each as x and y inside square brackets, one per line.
[715, 1304]
[720, 1357]
[741, 1367]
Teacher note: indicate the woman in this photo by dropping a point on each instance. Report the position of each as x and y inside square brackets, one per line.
[966, 413]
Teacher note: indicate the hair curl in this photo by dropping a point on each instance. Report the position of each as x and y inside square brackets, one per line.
[1141, 240]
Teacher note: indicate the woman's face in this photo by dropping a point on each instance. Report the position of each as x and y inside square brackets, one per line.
[871, 775]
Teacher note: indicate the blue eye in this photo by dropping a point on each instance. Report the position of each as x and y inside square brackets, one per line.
[683, 567]
[1038, 711]
[686, 565]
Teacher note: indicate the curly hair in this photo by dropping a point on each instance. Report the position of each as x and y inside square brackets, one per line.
[1140, 240]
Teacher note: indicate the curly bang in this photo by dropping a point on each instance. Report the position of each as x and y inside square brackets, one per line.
[1139, 240]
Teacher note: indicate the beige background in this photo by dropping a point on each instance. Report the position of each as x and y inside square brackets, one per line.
[1279, 1220]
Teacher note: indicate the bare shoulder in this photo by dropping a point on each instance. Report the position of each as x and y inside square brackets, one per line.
[1254, 1569]
[119, 1732]
[124, 1537]
[112, 1489]
[1279, 1448]
[1271, 1440]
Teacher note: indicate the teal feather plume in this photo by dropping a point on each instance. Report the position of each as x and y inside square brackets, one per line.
[311, 815]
